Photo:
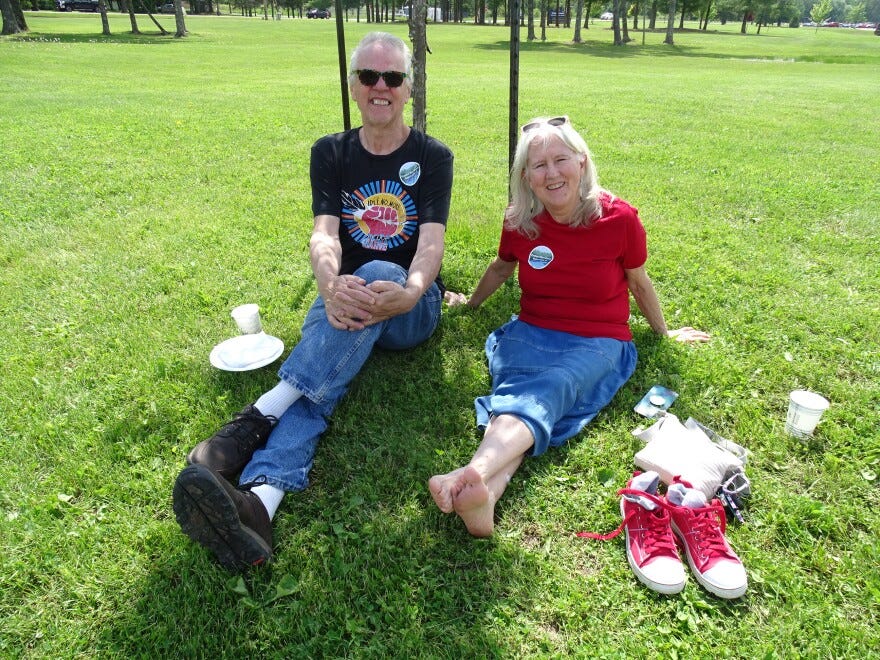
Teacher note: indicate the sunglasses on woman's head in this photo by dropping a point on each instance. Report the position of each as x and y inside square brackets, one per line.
[553, 121]
[370, 77]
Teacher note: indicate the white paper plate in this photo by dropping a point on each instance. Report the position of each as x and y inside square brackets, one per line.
[246, 352]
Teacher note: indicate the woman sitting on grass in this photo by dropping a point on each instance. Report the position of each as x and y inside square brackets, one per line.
[580, 251]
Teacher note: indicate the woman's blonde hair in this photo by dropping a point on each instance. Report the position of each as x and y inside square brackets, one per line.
[524, 205]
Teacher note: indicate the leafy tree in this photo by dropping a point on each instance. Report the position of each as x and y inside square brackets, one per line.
[748, 14]
[789, 11]
[838, 9]
[856, 13]
[727, 10]
[589, 11]
[820, 12]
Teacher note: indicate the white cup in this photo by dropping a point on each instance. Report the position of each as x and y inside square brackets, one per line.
[804, 411]
[247, 317]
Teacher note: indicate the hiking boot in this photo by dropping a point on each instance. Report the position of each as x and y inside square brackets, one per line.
[700, 527]
[650, 545]
[230, 522]
[229, 450]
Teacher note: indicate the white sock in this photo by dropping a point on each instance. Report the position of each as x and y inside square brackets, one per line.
[277, 400]
[681, 495]
[270, 496]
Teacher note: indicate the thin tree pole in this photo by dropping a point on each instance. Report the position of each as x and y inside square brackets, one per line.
[343, 76]
[418, 33]
[513, 125]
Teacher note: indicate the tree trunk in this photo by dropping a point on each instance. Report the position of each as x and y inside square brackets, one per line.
[742, 28]
[10, 22]
[128, 6]
[587, 17]
[105, 22]
[670, 25]
[624, 7]
[178, 19]
[13, 17]
[681, 23]
[19, 15]
[615, 22]
[418, 33]
[530, 35]
[579, 9]
[543, 7]
[653, 23]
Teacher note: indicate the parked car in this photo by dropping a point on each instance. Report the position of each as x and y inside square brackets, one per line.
[76, 5]
[606, 16]
[167, 8]
[318, 13]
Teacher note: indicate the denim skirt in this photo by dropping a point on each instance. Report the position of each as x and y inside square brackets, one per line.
[555, 382]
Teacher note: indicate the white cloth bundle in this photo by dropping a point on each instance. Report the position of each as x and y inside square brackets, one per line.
[673, 449]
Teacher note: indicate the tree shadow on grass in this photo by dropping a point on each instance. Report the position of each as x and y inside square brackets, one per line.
[146, 38]
[364, 562]
[367, 563]
[655, 50]
[385, 585]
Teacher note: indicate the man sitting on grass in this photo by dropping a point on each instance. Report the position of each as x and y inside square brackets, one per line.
[380, 198]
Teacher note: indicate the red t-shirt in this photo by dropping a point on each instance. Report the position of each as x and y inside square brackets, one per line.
[572, 278]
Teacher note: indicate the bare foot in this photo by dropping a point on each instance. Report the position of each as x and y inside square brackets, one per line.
[474, 503]
[444, 487]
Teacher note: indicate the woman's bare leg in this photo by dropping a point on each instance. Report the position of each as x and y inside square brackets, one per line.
[473, 490]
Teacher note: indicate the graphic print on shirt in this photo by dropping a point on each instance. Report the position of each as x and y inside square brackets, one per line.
[379, 215]
[540, 257]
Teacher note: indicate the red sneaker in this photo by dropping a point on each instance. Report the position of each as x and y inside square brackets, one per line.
[650, 545]
[714, 563]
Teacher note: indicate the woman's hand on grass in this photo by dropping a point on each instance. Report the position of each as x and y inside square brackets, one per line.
[454, 299]
[688, 335]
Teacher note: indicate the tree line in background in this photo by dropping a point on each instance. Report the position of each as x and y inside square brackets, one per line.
[625, 14]
[560, 12]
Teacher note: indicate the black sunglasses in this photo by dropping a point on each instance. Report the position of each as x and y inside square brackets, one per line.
[553, 121]
[370, 77]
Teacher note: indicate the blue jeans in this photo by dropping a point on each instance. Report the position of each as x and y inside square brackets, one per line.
[321, 366]
[554, 382]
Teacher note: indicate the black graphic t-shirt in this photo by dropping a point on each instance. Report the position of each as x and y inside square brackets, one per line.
[380, 200]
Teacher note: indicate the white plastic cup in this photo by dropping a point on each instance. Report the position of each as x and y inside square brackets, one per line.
[247, 317]
[804, 412]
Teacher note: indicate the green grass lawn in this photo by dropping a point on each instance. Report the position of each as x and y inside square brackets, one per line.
[150, 184]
